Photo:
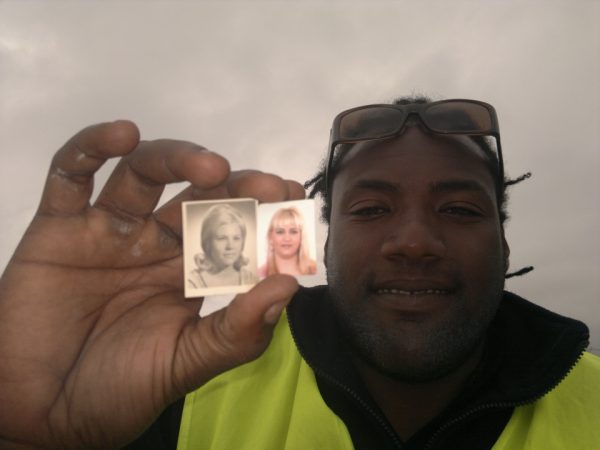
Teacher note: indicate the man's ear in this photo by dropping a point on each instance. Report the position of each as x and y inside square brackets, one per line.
[506, 250]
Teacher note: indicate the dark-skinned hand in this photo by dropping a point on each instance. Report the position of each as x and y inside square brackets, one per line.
[96, 338]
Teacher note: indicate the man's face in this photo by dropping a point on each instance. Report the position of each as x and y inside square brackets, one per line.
[416, 253]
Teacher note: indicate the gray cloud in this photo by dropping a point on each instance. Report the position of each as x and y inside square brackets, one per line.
[260, 82]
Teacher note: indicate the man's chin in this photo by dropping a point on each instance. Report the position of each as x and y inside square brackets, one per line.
[413, 351]
[417, 366]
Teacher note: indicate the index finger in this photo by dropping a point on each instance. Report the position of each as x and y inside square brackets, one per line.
[69, 184]
[246, 183]
[136, 184]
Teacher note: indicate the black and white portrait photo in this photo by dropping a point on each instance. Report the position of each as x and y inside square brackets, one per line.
[219, 247]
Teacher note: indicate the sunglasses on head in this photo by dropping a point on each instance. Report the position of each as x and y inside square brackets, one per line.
[379, 122]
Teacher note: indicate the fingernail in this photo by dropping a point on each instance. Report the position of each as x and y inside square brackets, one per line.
[272, 315]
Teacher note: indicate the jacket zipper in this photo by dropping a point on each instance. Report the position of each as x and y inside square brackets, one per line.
[350, 392]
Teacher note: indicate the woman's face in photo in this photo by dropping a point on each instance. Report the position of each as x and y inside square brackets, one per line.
[285, 240]
[227, 245]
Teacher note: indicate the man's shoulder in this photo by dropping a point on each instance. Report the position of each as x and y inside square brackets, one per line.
[566, 417]
[537, 347]
[592, 364]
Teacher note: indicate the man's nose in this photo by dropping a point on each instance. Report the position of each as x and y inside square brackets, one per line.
[414, 236]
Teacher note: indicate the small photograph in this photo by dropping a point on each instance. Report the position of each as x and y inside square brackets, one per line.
[219, 241]
[287, 232]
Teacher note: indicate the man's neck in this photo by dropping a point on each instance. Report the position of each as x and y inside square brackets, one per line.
[410, 406]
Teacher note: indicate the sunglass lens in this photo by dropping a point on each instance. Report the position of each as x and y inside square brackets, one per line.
[371, 123]
[462, 117]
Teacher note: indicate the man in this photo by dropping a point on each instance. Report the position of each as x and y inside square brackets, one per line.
[413, 343]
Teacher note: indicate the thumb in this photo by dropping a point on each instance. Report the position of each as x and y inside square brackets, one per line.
[232, 336]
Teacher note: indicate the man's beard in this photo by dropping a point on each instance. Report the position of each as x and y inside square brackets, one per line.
[414, 359]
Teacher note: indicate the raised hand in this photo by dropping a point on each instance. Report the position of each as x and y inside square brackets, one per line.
[95, 335]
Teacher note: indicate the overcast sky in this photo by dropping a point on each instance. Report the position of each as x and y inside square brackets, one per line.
[261, 81]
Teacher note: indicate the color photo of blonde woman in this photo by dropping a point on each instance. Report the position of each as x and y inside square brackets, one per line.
[288, 247]
[221, 264]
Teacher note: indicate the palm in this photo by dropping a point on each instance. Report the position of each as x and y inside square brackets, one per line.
[95, 336]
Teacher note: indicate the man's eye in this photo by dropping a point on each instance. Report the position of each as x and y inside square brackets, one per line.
[369, 211]
[462, 211]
